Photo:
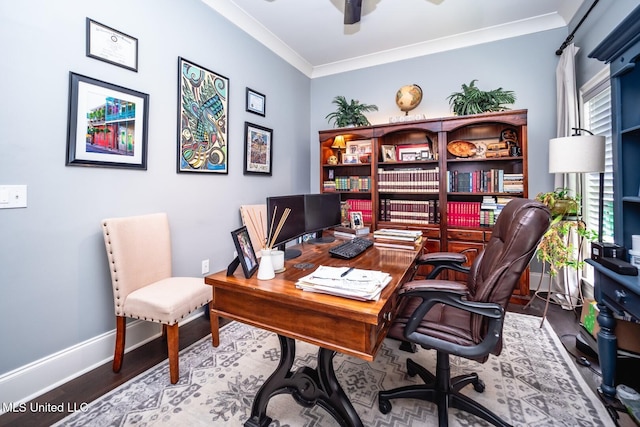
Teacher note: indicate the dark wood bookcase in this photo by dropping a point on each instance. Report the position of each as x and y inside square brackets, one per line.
[415, 182]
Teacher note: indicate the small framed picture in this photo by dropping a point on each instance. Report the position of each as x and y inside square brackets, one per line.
[389, 153]
[258, 149]
[246, 255]
[112, 46]
[256, 102]
[356, 219]
[408, 156]
[413, 152]
[350, 158]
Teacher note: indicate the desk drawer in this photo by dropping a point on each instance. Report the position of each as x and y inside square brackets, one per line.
[466, 235]
[620, 299]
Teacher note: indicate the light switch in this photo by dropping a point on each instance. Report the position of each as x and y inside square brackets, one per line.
[13, 196]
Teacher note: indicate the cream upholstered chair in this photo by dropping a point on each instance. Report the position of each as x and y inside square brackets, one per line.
[139, 253]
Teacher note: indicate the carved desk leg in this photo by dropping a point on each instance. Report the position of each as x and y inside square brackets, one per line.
[607, 350]
[308, 387]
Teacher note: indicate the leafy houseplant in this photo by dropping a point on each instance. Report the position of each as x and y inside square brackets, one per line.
[472, 100]
[555, 248]
[350, 113]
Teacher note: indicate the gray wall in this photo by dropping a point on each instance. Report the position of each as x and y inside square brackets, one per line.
[55, 285]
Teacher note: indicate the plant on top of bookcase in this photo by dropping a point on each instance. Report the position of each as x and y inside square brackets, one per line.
[472, 100]
[350, 113]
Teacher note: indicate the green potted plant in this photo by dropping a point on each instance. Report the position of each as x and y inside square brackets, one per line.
[560, 202]
[555, 248]
[350, 113]
[472, 100]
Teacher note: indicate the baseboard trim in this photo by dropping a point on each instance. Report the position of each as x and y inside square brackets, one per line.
[34, 379]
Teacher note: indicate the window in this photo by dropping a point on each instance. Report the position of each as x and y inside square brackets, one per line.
[596, 117]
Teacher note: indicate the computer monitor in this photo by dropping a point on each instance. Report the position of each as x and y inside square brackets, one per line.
[292, 228]
[321, 211]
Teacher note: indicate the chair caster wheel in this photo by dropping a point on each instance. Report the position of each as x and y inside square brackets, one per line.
[479, 386]
[384, 405]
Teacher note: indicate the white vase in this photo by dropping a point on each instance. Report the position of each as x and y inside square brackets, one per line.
[265, 271]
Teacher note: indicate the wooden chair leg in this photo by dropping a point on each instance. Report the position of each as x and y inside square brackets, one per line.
[172, 347]
[118, 354]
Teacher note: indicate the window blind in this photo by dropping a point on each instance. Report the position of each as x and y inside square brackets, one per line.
[597, 119]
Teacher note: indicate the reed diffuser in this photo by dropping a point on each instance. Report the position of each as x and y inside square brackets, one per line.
[266, 270]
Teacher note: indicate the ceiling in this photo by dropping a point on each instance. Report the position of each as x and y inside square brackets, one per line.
[311, 35]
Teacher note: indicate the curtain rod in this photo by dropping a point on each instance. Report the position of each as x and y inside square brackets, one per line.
[570, 36]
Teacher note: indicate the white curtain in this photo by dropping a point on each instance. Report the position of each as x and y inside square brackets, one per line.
[567, 282]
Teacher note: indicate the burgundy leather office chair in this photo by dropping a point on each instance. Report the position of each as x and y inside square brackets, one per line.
[466, 319]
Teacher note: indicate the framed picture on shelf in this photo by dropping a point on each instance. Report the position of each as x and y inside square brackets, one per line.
[359, 147]
[256, 102]
[258, 149]
[389, 153]
[246, 254]
[356, 219]
[112, 46]
[414, 152]
[203, 115]
[350, 159]
[107, 125]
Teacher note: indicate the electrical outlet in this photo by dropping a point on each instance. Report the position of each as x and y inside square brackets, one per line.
[205, 266]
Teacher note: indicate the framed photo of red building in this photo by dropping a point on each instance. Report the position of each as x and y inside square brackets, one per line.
[107, 124]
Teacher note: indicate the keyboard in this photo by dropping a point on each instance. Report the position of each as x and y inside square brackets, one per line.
[351, 248]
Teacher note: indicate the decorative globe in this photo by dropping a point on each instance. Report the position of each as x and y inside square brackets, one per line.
[408, 97]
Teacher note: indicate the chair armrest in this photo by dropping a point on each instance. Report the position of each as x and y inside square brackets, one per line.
[453, 294]
[443, 261]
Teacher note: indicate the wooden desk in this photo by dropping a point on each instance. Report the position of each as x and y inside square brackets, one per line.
[332, 323]
[618, 294]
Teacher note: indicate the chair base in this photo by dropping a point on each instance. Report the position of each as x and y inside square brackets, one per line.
[442, 390]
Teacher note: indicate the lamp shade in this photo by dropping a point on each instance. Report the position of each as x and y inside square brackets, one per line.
[338, 142]
[578, 153]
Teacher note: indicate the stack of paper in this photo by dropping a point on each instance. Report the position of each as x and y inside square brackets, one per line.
[364, 285]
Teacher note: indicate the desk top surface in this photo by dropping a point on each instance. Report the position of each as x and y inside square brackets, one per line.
[396, 262]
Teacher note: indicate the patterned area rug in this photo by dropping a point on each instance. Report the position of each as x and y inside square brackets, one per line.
[533, 383]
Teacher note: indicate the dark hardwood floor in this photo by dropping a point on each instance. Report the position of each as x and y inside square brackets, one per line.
[101, 380]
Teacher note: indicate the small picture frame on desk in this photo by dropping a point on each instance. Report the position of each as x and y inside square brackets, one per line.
[246, 254]
[356, 220]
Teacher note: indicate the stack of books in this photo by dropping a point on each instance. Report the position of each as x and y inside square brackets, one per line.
[350, 233]
[363, 285]
[398, 239]
[513, 183]
[491, 208]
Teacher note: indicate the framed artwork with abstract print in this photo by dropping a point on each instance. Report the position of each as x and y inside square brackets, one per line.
[203, 116]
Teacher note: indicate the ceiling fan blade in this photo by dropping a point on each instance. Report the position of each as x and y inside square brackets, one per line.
[352, 11]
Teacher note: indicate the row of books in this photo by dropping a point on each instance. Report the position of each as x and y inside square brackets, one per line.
[361, 205]
[490, 208]
[410, 211]
[408, 180]
[481, 181]
[348, 183]
[475, 214]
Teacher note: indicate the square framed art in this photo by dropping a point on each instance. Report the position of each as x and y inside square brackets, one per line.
[107, 124]
[258, 149]
[203, 116]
